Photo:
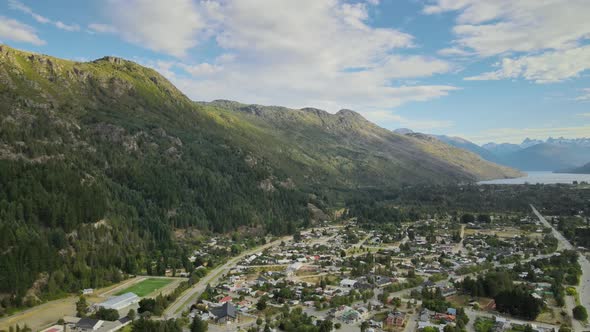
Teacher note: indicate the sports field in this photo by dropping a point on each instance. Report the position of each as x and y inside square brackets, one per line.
[146, 286]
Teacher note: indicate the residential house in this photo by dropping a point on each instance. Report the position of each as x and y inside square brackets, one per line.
[395, 319]
[88, 324]
[347, 283]
[227, 313]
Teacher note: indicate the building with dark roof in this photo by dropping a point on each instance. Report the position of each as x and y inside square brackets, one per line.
[226, 313]
[88, 324]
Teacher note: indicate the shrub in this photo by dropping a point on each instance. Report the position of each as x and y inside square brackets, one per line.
[580, 313]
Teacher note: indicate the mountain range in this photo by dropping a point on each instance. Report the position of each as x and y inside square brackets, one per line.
[308, 145]
[102, 162]
[585, 169]
[552, 154]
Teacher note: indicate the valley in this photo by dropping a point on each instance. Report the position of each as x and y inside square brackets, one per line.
[294, 166]
[126, 205]
[97, 140]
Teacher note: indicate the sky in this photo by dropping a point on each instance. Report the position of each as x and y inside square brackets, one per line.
[485, 70]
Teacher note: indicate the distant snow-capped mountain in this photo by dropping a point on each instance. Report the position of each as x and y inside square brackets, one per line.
[538, 155]
[551, 154]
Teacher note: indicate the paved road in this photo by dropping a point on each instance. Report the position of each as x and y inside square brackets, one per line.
[191, 295]
[563, 242]
[584, 287]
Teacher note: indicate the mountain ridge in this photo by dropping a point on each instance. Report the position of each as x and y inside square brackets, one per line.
[116, 142]
[585, 169]
[348, 124]
[552, 154]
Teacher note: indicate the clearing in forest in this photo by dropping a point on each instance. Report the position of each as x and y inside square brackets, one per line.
[146, 287]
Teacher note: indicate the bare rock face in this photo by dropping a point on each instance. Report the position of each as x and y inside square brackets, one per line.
[288, 184]
[116, 134]
[160, 132]
[173, 153]
[316, 213]
[80, 74]
[5, 79]
[109, 132]
[112, 59]
[120, 87]
[251, 160]
[266, 185]
[156, 140]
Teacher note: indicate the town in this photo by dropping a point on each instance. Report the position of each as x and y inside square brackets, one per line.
[444, 273]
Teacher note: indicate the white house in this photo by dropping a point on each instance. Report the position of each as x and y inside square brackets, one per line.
[119, 302]
[348, 283]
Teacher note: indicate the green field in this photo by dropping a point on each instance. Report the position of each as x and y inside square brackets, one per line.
[146, 286]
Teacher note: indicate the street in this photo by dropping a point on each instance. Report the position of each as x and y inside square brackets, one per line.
[192, 294]
[584, 288]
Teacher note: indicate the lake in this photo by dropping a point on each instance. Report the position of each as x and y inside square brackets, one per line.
[542, 177]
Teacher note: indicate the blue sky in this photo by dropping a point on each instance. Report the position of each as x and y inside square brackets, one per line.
[496, 70]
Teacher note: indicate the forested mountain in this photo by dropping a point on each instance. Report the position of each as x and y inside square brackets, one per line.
[469, 146]
[537, 155]
[547, 157]
[577, 170]
[101, 161]
[346, 150]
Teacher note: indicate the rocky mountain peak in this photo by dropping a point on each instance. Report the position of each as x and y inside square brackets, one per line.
[112, 59]
[350, 114]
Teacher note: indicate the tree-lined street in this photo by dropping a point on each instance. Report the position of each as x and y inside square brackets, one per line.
[583, 288]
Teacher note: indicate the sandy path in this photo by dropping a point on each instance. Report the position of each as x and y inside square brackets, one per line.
[44, 315]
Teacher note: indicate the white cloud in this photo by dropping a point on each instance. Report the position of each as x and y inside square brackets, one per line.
[363, 91]
[585, 96]
[17, 5]
[201, 69]
[14, 30]
[67, 27]
[440, 6]
[454, 51]
[503, 26]
[170, 27]
[544, 68]
[319, 53]
[101, 28]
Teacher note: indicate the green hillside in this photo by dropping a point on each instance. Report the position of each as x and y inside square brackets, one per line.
[101, 161]
[346, 150]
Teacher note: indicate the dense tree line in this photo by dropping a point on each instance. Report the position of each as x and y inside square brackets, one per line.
[518, 302]
[92, 186]
[510, 298]
[87, 219]
[575, 229]
[482, 199]
[371, 211]
[148, 325]
[296, 320]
